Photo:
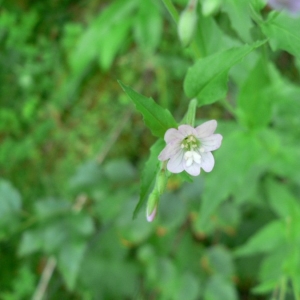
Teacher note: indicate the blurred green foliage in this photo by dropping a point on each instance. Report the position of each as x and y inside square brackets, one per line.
[73, 152]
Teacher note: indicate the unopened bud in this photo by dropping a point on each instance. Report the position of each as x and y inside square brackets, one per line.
[209, 7]
[152, 205]
[187, 23]
[161, 181]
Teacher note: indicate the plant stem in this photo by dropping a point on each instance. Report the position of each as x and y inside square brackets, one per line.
[45, 278]
[282, 289]
[190, 115]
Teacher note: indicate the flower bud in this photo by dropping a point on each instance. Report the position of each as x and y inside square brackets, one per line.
[187, 23]
[152, 205]
[209, 7]
[161, 181]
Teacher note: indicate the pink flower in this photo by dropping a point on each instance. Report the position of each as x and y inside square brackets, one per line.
[152, 205]
[151, 215]
[189, 149]
[292, 6]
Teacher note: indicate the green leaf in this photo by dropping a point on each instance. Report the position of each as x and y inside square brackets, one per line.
[10, 200]
[248, 163]
[265, 240]
[156, 118]
[284, 32]
[133, 231]
[239, 16]
[51, 207]
[219, 288]
[22, 285]
[31, 241]
[97, 35]
[149, 175]
[189, 287]
[271, 268]
[69, 261]
[10, 207]
[208, 77]
[209, 37]
[172, 211]
[217, 89]
[281, 200]
[113, 41]
[254, 100]
[148, 26]
[167, 279]
[220, 261]
[265, 287]
[257, 5]
[119, 170]
[87, 175]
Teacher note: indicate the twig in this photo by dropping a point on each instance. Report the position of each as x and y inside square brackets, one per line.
[45, 278]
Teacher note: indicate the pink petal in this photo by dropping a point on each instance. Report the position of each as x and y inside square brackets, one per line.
[175, 164]
[212, 142]
[186, 130]
[206, 129]
[150, 216]
[173, 134]
[193, 170]
[170, 150]
[207, 161]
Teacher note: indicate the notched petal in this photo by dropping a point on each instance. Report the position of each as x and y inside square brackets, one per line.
[206, 129]
[169, 150]
[186, 130]
[175, 164]
[212, 142]
[207, 161]
[193, 170]
[173, 134]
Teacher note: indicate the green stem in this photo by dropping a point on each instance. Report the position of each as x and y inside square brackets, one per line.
[164, 165]
[255, 16]
[282, 289]
[172, 10]
[190, 115]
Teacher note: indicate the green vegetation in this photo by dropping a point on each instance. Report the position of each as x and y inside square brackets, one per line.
[79, 147]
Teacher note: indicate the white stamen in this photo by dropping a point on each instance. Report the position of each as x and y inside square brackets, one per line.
[188, 154]
[192, 156]
[197, 157]
[202, 149]
[189, 162]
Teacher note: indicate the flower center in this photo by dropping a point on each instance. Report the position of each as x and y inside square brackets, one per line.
[190, 144]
